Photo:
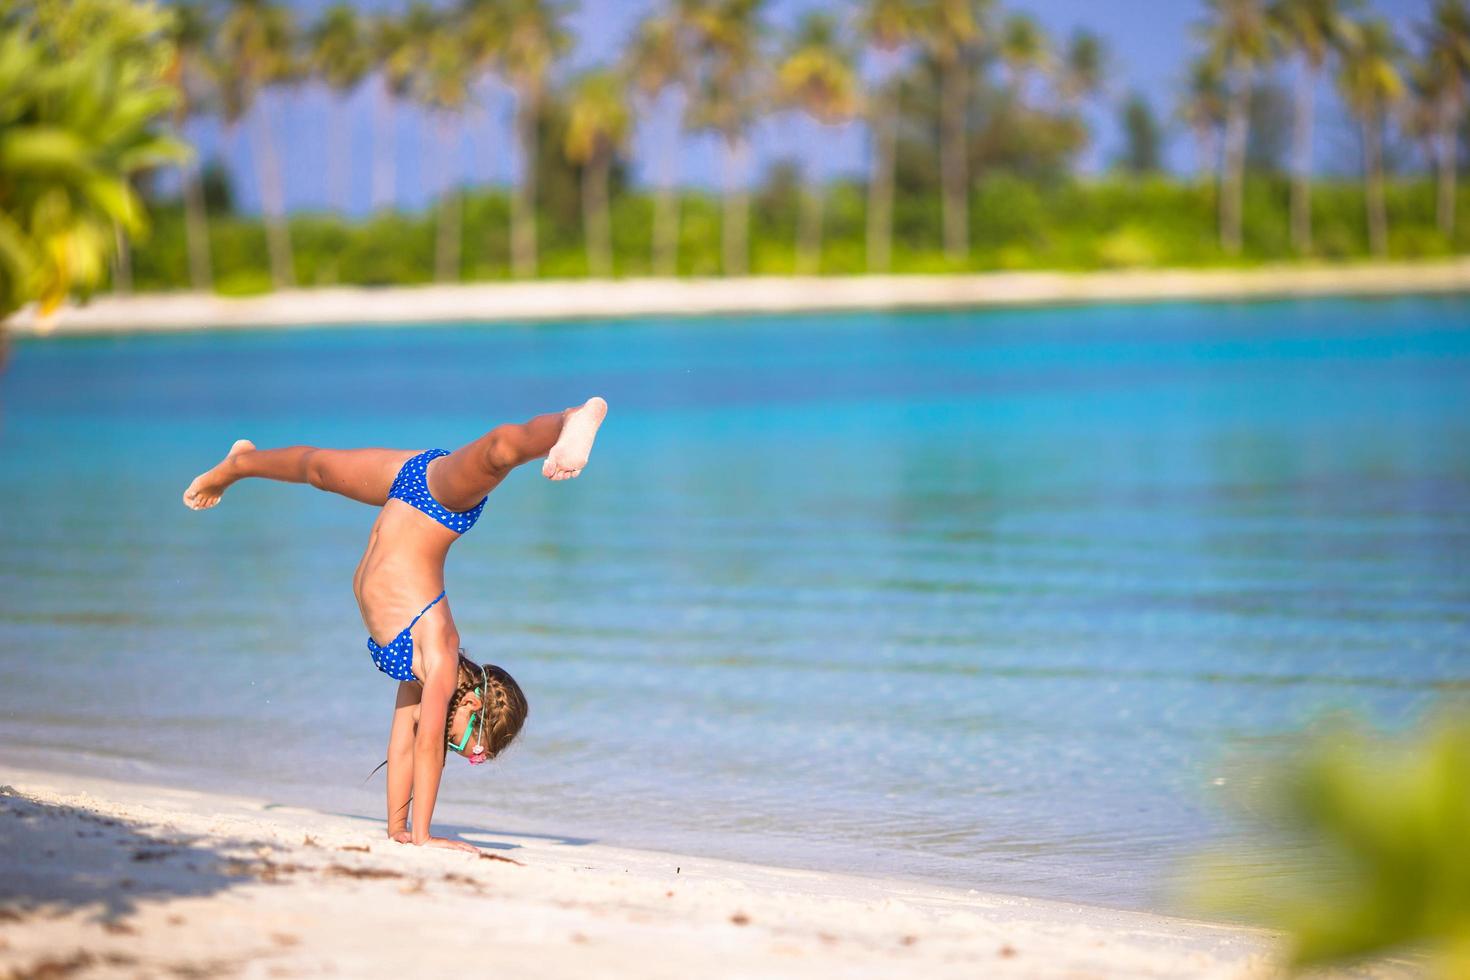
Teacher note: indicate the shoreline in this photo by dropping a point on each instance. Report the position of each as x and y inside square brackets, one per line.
[125, 878]
[583, 299]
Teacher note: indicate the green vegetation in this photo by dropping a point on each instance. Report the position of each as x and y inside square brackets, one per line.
[977, 119]
[82, 94]
[1383, 821]
[1016, 224]
[977, 124]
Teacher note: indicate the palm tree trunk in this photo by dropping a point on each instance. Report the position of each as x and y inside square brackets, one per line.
[272, 199]
[485, 146]
[384, 161]
[596, 222]
[523, 202]
[337, 165]
[1232, 177]
[809, 231]
[196, 228]
[1448, 138]
[1301, 178]
[1373, 196]
[735, 228]
[952, 161]
[880, 186]
[666, 213]
[1208, 148]
[447, 245]
[122, 262]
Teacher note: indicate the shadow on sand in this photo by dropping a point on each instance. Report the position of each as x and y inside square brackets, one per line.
[66, 857]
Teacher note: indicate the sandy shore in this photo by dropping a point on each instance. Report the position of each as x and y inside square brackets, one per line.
[101, 878]
[110, 879]
[581, 299]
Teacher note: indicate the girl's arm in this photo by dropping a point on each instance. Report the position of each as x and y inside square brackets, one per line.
[442, 667]
[400, 761]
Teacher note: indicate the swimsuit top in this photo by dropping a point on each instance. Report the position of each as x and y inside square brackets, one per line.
[412, 487]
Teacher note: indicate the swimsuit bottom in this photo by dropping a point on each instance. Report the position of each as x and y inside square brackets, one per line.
[412, 487]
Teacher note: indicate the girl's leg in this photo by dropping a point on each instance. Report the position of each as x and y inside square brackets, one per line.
[459, 480]
[361, 474]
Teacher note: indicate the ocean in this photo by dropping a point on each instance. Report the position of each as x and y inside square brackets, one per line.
[1008, 600]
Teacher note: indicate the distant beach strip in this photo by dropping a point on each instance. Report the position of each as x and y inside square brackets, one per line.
[598, 299]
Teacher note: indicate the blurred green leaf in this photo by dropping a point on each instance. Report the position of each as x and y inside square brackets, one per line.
[1386, 822]
[82, 98]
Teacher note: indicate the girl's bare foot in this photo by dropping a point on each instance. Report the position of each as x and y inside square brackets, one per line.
[569, 455]
[210, 485]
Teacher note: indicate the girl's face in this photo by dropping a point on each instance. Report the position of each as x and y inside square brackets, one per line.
[469, 717]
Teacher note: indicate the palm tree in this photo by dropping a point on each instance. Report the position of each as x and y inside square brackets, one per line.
[889, 28]
[532, 38]
[727, 36]
[1448, 77]
[341, 58]
[480, 24]
[1418, 115]
[1239, 39]
[389, 54]
[1023, 50]
[438, 62]
[598, 125]
[190, 31]
[1313, 28]
[817, 75]
[950, 31]
[657, 61]
[1083, 67]
[1203, 109]
[1370, 83]
[85, 95]
[415, 37]
[255, 44]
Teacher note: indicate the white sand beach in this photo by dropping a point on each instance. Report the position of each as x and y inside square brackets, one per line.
[589, 298]
[101, 878]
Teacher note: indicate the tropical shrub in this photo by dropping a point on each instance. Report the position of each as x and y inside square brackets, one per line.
[1359, 848]
[82, 102]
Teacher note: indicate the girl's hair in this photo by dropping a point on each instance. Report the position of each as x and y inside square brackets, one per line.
[504, 703]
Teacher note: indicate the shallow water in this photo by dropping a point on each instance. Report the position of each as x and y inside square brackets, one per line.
[976, 597]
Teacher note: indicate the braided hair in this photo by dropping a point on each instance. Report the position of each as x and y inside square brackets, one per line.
[503, 710]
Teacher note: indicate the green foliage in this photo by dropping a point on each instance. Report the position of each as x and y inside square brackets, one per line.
[818, 74]
[338, 48]
[82, 96]
[255, 48]
[1384, 822]
[1016, 223]
[1013, 130]
[1142, 137]
[599, 120]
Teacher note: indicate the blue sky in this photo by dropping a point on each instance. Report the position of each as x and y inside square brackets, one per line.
[1149, 43]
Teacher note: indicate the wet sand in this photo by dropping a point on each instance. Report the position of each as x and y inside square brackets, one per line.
[586, 299]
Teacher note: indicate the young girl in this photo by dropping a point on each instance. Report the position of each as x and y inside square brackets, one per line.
[428, 500]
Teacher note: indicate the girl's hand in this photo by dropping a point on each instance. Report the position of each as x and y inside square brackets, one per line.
[450, 845]
[401, 836]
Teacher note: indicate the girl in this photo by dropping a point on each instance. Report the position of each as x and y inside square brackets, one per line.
[428, 500]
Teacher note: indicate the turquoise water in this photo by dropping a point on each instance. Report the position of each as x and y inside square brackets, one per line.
[975, 597]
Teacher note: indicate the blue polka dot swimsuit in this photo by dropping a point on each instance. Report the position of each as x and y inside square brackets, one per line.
[396, 659]
[412, 487]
